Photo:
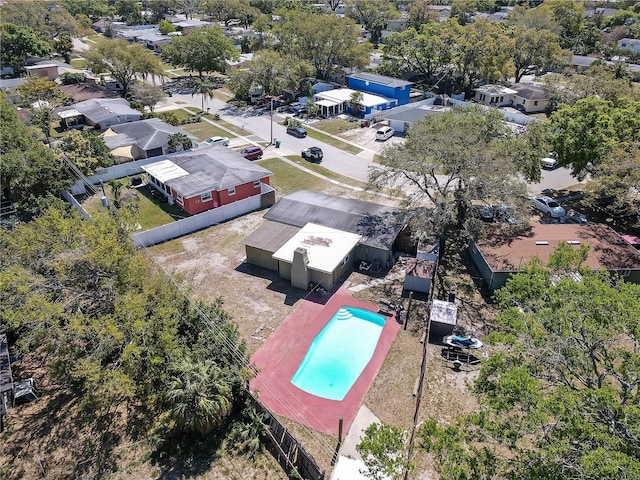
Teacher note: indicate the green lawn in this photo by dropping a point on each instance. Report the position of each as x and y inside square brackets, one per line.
[152, 214]
[335, 126]
[204, 130]
[183, 114]
[287, 178]
[78, 63]
[347, 147]
[326, 173]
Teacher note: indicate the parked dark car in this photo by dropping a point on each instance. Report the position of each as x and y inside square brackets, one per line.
[505, 213]
[483, 212]
[299, 132]
[252, 153]
[312, 154]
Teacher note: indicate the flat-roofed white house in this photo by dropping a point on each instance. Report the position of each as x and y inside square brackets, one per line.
[334, 102]
[494, 95]
[316, 254]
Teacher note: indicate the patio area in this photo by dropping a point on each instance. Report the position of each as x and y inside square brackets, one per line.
[279, 358]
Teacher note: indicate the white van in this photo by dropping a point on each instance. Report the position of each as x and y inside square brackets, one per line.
[385, 133]
[549, 162]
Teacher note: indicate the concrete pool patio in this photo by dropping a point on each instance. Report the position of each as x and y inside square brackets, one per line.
[278, 359]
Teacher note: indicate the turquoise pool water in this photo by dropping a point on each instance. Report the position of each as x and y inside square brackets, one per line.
[339, 353]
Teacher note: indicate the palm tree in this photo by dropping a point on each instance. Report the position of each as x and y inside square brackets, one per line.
[355, 102]
[205, 89]
[199, 395]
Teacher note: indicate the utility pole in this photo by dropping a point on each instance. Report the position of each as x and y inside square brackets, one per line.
[271, 141]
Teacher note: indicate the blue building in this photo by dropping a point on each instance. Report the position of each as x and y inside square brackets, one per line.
[388, 87]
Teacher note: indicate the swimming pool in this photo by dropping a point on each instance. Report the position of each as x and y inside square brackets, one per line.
[339, 353]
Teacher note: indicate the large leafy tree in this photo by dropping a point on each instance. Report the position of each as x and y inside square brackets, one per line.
[200, 51]
[383, 452]
[372, 14]
[29, 170]
[481, 52]
[123, 60]
[274, 71]
[588, 131]
[451, 159]
[559, 393]
[86, 150]
[328, 42]
[18, 42]
[536, 51]
[425, 52]
[47, 18]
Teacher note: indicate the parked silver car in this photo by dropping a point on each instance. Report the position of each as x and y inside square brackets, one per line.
[548, 206]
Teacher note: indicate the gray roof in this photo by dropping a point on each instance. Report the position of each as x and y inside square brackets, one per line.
[100, 109]
[529, 92]
[12, 82]
[146, 134]
[271, 236]
[379, 225]
[214, 168]
[380, 79]
[412, 114]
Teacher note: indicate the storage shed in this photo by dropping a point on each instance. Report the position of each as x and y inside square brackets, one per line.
[419, 275]
[443, 318]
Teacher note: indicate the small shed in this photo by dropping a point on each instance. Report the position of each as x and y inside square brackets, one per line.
[443, 318]
[419, 275]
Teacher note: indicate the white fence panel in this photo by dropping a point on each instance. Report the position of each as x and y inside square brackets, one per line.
[196, 222]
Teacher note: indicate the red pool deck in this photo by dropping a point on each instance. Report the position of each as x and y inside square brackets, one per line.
[279, 358]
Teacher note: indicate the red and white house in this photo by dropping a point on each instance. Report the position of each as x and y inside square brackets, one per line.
[207, 178]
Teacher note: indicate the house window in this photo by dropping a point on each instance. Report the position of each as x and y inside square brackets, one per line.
[179, 199]
[535, 102]
[344, 261]
[625, 273]
[501, 99]
[231, 191]
[256, 184]
[206, 197]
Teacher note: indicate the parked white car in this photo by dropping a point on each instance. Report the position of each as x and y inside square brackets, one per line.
[384, 133]
[217, 141]
[548, 206]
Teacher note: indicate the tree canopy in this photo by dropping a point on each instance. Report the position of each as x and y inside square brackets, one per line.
[29, 170]
[327, 42]
[125, 61]
[18, 42]
[450, 159]
[559, 392]
[200, 51]
[588, 131]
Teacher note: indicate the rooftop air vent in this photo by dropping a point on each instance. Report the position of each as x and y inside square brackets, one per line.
[573, 242]
[542, 242]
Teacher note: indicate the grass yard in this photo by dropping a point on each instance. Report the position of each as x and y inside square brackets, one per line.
[204, 130]
[325, 172]
[78, 62]
[235, 129]
[287, 179]
[335, 126]
[152, 212]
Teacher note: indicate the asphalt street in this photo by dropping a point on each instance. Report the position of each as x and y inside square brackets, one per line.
[260, 123]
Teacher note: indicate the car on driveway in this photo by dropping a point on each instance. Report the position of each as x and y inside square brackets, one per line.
[548, 206]
[312, 154]
[483, 212]
[217, 141]
[252, 153]
[299, 132]
[505, 213]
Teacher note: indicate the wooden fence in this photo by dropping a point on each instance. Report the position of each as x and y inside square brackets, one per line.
[290, 453]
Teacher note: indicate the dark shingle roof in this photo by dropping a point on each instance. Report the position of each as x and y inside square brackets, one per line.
[379, 225]
[100, 109]
[147, 134]
[214, 168]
